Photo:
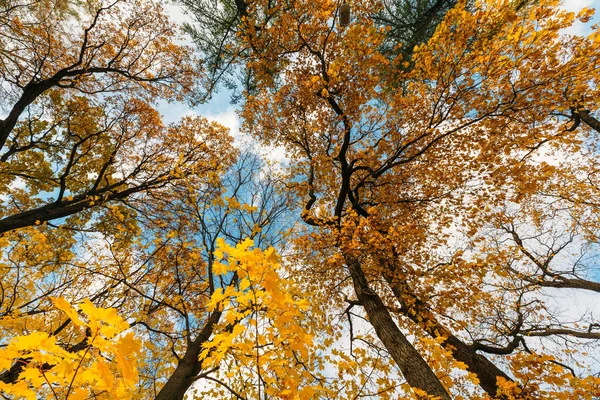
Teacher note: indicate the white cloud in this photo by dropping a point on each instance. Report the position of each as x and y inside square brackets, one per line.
[175, 13]
[576, 5]
[227, 118]
[580, 28]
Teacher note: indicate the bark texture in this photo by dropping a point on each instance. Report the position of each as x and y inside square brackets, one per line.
[189, 365]
[411, 364]
[419, 313]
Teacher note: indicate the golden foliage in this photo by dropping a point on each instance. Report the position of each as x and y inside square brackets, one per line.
[103, 364]
[447, 188]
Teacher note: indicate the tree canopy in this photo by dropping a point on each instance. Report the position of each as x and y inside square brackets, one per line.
[432, 234]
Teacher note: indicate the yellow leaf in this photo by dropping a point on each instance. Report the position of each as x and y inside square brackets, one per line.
[271, 255]
[66, 307]
[32, 341]
[215, 299]
[32, 375]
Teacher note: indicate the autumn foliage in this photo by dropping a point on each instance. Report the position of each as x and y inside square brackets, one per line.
[432, 234]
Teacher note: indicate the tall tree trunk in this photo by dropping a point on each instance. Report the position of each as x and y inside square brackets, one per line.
[411, 364]
[189, 366]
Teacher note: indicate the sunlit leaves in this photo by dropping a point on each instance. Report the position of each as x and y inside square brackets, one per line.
[454, 173]
[104, 363]
[264, 332]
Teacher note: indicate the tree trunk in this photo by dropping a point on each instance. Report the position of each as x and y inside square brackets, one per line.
[419, 313]
[189, 366]
[413, 367]
[589, 120]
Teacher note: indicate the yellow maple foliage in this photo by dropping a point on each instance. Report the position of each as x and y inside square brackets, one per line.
[103, 364]
[264, 332]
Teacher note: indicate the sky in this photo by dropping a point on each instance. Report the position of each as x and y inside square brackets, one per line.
[575, 5]
[218, 109]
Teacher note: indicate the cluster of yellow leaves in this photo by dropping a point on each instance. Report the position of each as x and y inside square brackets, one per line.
[263, 327]
[545, 378]
[105, 366]
[133, 36]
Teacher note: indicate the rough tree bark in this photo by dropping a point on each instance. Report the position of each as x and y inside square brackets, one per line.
[411, 364]
[418, 312]
[189, 365]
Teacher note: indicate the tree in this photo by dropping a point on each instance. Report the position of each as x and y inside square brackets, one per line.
[76, 104]
[400, 157]
[409, 23]
[105, 208]
[186, 290]
[445, 188]
[83, 150]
